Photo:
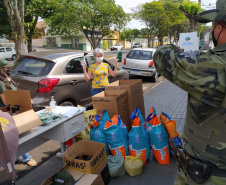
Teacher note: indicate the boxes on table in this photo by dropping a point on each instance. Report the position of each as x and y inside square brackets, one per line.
[26, 118]
[89, 157]
[134, 94]
[115, 102]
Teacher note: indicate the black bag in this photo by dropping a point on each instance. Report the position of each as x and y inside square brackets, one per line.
[198, 170]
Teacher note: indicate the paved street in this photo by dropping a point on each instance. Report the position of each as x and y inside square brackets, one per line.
[164, 97]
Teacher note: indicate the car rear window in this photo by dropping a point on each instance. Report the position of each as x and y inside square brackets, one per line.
[32, 67]
[140, 54]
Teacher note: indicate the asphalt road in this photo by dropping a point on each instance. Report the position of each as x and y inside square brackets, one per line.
[50, 148]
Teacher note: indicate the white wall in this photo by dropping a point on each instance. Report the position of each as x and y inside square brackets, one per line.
[37, 42]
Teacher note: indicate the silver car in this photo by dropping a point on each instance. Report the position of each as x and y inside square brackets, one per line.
[140, 62]
[61, 73]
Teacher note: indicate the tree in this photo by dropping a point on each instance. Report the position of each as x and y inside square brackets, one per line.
[130, 35]
[93, 18]
[15, 12]
[153, 15]
[190, 9]
[174, 19]
[33, 10]
[5, 29]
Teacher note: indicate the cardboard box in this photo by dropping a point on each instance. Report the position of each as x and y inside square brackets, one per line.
[27, 118]
[134, 93]
[98, 164]
[115, 102]
[81, 178]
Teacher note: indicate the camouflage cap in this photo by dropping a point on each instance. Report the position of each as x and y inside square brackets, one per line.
[4, 63]
[218, 14]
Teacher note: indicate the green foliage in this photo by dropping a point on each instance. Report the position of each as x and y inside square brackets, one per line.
[130, 35]
[203, 28]
[191, 7]
[5, 28]
[92, 17]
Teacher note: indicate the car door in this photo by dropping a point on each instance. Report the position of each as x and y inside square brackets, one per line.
[2, 53]
[9, 52]
[75, 82]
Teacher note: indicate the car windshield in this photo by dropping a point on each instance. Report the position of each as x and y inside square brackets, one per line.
[29, 66]
[140, 54]
[136, 44]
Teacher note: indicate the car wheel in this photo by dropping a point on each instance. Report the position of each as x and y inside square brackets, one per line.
[14, 57]
[154, 78]
[67, 103]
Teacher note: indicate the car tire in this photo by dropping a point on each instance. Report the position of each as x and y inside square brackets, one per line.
[14, 57]
[154, 78]
[67, 103]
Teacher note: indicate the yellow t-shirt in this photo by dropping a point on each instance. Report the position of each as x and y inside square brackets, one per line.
[100, 75]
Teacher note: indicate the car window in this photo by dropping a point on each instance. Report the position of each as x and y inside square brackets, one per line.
[140, 54]
[29, 66]
[2, 49]
[74, 66]
[8, 49]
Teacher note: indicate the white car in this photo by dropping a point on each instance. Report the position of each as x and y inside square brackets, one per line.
[140, 62]
[8, 52]
[116, 47]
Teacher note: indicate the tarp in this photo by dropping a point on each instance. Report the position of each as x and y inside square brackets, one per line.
[9, 139]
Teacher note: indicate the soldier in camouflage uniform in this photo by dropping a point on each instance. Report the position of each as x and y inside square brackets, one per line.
[203, 76]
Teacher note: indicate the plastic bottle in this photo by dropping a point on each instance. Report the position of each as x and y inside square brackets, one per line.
[52, 102]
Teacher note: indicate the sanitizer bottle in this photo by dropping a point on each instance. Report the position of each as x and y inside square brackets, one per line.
[52, 102]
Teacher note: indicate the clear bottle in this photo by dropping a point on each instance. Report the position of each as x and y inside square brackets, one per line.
[52, 102]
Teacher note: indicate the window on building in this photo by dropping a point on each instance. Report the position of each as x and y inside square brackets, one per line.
[75, 42]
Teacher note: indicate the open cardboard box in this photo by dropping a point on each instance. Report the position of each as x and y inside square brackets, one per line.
[81, 178]
[134, 91]
[27, 118]
[97, 164]
[115, 102]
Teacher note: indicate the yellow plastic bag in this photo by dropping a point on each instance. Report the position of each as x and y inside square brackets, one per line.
[133, 165]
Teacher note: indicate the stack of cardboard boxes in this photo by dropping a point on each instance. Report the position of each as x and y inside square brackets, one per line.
[121, 98]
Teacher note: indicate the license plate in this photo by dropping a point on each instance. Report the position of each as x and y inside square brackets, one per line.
[135, 72]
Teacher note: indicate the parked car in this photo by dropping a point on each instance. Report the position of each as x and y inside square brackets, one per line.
[61, 73]
[8, 53]
[140, 62]
[116, 47]
[137, 45]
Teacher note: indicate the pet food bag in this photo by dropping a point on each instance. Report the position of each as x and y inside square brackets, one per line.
[158, 138]
[138, 137]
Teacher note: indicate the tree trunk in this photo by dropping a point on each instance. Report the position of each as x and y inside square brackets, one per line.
[29, 44]
[15, 12]
[149, 40]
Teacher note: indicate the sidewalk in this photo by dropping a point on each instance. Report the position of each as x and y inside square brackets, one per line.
[165, 97]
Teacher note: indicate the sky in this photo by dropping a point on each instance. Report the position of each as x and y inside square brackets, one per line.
[127, 5]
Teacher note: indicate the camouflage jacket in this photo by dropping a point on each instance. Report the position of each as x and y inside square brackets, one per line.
[203, 76]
